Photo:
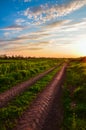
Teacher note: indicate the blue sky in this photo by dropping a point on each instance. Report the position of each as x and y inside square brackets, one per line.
[48, 28]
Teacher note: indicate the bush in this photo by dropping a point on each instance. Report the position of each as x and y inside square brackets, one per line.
[80, 94]
[16, 76]
[6, 81]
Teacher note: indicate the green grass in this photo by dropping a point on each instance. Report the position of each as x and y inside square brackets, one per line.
[75, 117]
[9, 114]
[21, 70]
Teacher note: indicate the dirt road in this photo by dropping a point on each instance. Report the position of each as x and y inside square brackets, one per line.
[45, 111]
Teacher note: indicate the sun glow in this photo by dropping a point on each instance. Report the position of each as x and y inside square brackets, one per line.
[81, 47]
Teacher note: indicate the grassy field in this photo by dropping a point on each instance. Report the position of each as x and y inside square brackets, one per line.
[74, 97]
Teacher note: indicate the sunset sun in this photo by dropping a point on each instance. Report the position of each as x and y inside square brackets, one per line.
[82, 47]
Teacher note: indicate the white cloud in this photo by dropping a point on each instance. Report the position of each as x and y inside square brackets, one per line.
[27, 0]
[6, 34]
[44, 13]
[19, 21]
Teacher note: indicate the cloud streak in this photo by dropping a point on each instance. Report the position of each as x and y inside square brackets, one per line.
[57, 23]
[13, 28]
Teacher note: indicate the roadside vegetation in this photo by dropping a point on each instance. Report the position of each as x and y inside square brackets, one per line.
[74, 97]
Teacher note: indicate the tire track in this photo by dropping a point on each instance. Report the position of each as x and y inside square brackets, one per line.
[34, 117]
[8, 95]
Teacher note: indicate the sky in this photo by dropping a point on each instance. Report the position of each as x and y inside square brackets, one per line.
[43, 28]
